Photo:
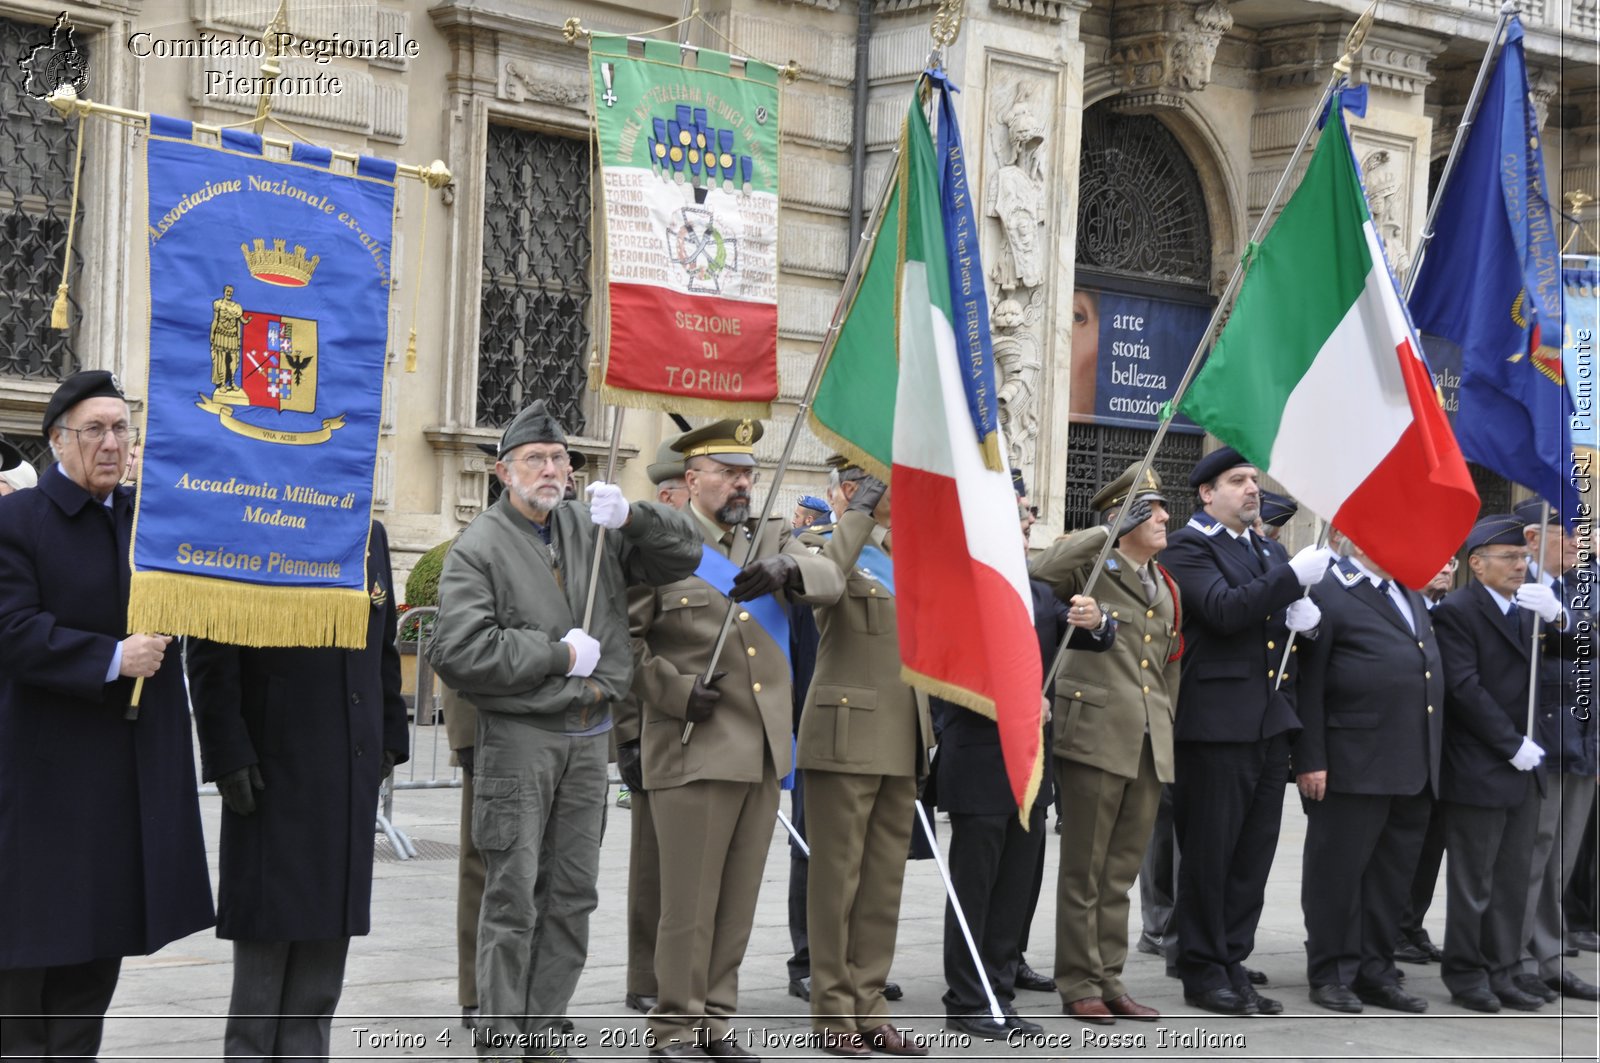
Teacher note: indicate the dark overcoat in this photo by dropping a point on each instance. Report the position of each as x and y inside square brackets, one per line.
[1233, 633]
[1371, 691]
[317, 722]
[101, 853]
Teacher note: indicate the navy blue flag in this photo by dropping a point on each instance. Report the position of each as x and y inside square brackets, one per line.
[269, 296]
[1491, 283]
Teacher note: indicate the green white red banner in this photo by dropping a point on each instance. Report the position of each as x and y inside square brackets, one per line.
[689, 177]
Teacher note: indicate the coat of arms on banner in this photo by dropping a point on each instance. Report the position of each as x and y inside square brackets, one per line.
[264, 359]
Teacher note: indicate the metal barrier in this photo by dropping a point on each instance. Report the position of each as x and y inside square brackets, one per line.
[429, 706]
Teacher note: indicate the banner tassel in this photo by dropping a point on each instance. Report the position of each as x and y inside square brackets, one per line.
[60, 317]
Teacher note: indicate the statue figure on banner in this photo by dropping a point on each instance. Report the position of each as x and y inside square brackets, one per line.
[227, 330]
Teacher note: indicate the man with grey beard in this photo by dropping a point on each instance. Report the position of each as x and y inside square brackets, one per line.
[508, 637]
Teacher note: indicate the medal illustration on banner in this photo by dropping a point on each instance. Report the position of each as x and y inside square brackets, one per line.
[687, 151]
[266, 360]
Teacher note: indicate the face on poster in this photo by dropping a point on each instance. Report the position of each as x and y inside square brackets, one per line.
[1128, 354]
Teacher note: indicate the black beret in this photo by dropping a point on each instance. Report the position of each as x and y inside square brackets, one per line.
[1215, 464]
[1018, 484]
[1276, 509]
[1531, 511]
[1500, 529]
[10, 456]
[89, 384]
[575, 456]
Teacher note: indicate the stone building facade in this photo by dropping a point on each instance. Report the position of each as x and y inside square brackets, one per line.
[1124, 150]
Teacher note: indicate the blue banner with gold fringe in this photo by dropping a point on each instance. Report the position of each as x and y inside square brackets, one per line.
[269, 326]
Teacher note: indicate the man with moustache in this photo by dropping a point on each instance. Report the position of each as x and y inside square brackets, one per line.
[99, 816]
[715, 797]
[1371, 700]
[1242, 596]
[644, 854]
[511, 597]
[1490, 787]
[1113, 740]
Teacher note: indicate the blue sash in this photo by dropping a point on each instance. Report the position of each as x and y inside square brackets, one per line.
[873, 563]
[773, 617]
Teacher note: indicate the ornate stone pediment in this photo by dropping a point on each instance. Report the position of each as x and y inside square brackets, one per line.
[1167, 46]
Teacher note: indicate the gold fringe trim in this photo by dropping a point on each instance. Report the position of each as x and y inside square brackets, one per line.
[58, 312]
[856, 455]
[650, 400]
[247, 614]
[991, 453]
[984, 707]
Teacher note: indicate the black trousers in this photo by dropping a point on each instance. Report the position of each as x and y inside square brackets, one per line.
[1491, 852]
[800, 961]
[284, 996]
[56, 1012]
[1426, 877]
[992, 861]
[1227, 805]
[1360, 853]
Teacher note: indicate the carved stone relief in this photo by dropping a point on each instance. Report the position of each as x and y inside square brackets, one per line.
[1385, 182]
[522, 85]
[1167, 46]
[1016, 193]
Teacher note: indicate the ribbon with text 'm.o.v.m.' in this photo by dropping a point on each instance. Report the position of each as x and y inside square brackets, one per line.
[269, 296]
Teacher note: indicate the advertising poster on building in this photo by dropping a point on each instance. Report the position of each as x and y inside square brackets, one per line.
[689, 169]
[1128, 354]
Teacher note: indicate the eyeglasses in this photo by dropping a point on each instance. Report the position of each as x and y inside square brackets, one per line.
[535, 462]
[730, 473]
[95, 434]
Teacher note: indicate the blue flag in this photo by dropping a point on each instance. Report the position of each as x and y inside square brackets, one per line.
[1491, 283]
[269, 294]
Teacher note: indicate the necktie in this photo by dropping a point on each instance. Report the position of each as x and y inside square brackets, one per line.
[1151, 591]
[1385, 589]
[1250, 551]
[1513, 621]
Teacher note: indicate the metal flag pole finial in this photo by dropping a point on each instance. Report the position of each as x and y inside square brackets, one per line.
[272, 40]
[1356, 38]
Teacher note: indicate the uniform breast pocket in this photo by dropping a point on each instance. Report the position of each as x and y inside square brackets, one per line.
[845, 704]
[675, 609]
[1084, 704]
[867, 606]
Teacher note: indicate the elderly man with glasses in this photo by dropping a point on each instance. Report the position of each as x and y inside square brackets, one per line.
[1490, 783]
[511, 636]
[99, 820]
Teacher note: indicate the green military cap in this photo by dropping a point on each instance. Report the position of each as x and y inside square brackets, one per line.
[668, 464]
[847, 469]
[1119, 490]
[533, 425]
[731, 442]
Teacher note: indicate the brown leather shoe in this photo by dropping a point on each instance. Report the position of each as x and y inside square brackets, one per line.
[1089, 1009]
[843, 1044]
[892, 1042]
[1129, 1008]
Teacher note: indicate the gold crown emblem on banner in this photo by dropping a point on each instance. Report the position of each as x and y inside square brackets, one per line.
[279, 266]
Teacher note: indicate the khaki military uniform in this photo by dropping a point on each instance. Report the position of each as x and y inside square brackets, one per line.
[864, 736]
[1113, 720]
[714, 799]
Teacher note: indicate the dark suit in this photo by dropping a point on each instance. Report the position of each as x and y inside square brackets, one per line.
[296, 874]
[1491, 807]
[99, 818]
[993, 860]
[1232, 745]
[1370, 697]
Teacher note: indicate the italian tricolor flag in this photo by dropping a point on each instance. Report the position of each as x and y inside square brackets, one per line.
[1318, 379]
[892, 397]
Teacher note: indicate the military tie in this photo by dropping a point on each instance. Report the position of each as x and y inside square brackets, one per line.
[1384, 589]
[1513, 621]
[1151, 591]
[1250, 550]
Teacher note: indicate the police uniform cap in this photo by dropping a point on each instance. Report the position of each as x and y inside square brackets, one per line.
[668, 464]
[1117, 491]
[575, 456]
[1276, 509]
[1018, 484]
[732, 442]
[89, 384]
[10, 456]
[815, 504]
[533, 425]
[1531, 512]
[1215, 464]
[1499, 529]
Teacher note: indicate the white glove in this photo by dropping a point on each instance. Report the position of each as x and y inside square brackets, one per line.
[586, 651]
[1537, 598]
[1529, 756]
[1311, 564]
[607, 507]
[1302, 615]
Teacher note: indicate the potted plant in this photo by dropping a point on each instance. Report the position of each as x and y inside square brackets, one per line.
[422, 589]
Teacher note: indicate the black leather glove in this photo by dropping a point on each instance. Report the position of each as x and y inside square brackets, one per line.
[1138, 513]
[869, 489]
[238, 789]
[390, 759]
[464, 758]
[630, 765]
[703, 698]
[765, 576]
